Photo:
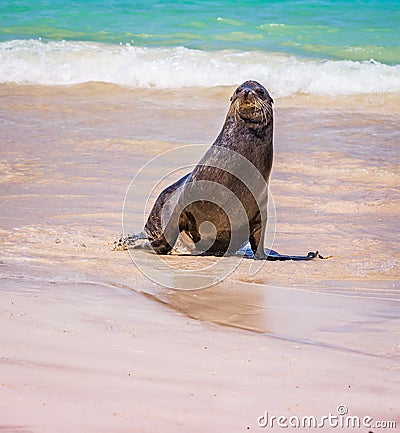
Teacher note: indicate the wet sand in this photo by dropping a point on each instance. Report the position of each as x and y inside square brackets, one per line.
[90, 344]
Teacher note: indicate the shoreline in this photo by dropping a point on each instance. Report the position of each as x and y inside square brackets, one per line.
[202, 97]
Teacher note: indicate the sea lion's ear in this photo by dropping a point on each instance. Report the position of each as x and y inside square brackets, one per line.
[272, 101]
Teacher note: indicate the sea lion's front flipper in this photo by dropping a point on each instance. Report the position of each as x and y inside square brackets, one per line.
[131, 241]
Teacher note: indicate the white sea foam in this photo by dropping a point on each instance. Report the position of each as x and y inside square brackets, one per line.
[62, 63]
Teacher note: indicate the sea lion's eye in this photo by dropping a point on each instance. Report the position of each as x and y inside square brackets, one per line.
[260, 92]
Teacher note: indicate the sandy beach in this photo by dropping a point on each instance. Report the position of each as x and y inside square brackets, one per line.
[90, 344]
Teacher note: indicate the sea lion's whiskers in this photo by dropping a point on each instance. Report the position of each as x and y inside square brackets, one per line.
[265, 109]
[258, 107]
[235, 109]
[268, 109]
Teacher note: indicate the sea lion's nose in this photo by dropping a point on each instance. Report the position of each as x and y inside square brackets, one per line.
[246, 92]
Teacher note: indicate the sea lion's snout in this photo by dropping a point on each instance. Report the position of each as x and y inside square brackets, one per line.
[246, 92]
[248, 96]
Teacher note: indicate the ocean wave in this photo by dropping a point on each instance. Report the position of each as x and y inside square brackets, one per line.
[68, 62]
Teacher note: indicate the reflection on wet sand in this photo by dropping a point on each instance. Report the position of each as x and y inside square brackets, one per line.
[225, 303]
[349, 323]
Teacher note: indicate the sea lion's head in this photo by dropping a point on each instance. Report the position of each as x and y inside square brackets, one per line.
[251, 102]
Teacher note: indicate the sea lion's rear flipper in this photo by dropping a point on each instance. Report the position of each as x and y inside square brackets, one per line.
[275, 256]
[162, 239]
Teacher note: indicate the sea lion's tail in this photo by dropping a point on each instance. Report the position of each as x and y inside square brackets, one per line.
[131, 240]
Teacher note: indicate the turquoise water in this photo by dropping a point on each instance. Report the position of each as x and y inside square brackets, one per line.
[351, 30]
[174, 34]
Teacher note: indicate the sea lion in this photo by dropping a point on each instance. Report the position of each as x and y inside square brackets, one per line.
[222, 204]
